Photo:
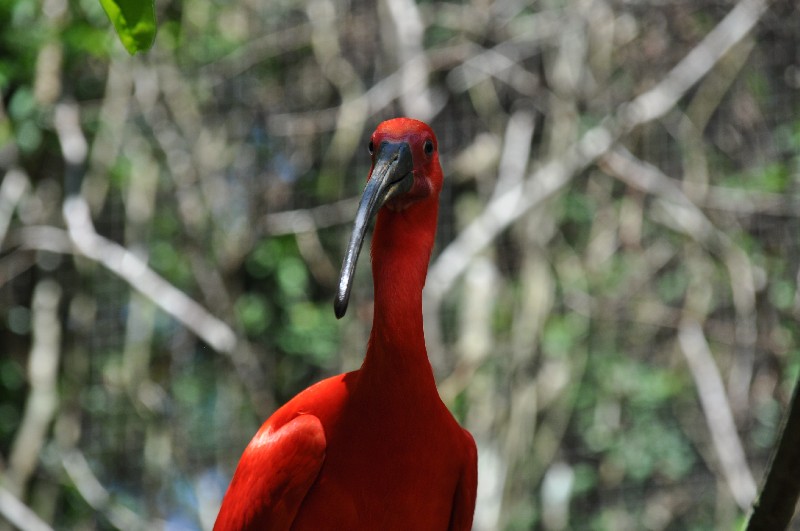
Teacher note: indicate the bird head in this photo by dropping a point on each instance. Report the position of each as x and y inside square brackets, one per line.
[405, 170]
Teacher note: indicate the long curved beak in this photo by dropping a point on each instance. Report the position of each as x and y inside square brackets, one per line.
[392, 175]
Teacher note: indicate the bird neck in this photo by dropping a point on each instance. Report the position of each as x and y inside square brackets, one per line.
[401, 248]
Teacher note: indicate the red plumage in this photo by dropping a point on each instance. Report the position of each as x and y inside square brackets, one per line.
[374, 448]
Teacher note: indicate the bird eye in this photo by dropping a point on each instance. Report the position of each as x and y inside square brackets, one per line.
[371, 147]
[428, 147]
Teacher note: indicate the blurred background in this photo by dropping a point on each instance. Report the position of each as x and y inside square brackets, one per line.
[611, 307]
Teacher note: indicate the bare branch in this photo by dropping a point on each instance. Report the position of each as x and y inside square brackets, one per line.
[257, 50]
[19, 514]
[717, 411]
[555, 174]
[135, 272]
[310, 219]
[640, 175]
[685, 216]
[406, 38]
[123, 262]
[43, 397]
[93, 492]
[15, 264]
[501, 62]
[516, 150]
[15, 184]
[352, 114]
[657, 101]
[111, 125]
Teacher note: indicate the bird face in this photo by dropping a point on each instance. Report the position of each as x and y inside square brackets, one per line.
[412, 143]
[405, 170]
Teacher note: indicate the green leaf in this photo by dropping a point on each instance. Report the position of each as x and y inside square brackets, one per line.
[135, 22]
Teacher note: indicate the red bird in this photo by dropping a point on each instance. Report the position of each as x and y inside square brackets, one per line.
[376, 448]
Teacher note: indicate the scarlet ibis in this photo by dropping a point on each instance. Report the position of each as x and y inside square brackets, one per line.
[376, 448]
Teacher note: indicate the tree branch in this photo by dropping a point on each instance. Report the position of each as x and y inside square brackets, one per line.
[717, 411]
[43, 397]
[555, 174]
[15, 184]
[777, 503]
[135, 272]
[19, 514]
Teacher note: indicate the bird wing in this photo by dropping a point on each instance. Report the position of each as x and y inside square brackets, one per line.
[466, 490]
[274, 475]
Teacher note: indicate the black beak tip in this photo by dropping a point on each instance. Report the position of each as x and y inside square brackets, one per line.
[339, 307]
